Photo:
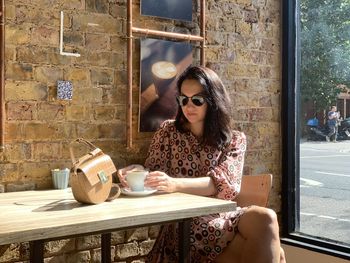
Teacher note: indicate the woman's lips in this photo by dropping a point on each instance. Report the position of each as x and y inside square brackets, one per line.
[190, 114]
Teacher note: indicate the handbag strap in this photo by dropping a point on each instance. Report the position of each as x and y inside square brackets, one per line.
[114, 193]
[94, 151]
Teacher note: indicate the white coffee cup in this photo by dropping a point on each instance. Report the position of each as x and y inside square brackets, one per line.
[136, 180]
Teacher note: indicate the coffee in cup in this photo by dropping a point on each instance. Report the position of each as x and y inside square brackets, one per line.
[136, 180]
[163, 73]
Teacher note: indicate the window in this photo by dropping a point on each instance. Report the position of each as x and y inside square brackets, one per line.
[316, 173]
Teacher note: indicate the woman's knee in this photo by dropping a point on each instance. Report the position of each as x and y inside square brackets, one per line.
[256, 214]
[258, 219]
[270, 217]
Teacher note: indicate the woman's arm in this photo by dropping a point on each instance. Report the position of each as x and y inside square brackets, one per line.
[228, 174]
[198, 186]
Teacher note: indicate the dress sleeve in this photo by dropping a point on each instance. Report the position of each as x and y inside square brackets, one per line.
[158, 156]
[227, 174]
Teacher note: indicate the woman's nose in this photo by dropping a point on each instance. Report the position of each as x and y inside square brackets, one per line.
[190, 103]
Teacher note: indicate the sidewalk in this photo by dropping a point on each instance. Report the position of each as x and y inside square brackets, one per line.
[339, 146]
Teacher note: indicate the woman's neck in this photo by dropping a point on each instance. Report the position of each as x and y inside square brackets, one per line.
[197, 130]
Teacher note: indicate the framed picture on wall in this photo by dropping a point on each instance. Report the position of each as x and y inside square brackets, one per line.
[161, 63]
[171, 9]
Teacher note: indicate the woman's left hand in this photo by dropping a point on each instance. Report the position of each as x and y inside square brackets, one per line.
[160, 181]
[121, 173]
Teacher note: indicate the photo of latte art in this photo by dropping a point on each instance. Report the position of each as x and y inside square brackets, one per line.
[161, 63]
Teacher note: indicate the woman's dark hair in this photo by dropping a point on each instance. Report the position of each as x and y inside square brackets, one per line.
[217, 128]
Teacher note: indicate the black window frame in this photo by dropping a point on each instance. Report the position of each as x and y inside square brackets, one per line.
[290, 139]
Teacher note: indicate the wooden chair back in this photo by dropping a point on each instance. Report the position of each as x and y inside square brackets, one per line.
[255, 190]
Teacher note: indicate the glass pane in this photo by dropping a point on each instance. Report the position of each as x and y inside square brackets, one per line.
[325, 119]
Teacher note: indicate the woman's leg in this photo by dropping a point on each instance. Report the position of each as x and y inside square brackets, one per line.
[257, 239]
[282, 256]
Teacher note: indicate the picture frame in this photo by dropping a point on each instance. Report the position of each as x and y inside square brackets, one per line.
[168, 9]
[161, 63]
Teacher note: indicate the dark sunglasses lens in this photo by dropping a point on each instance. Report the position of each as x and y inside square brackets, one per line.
[198, 100]
[182, 100]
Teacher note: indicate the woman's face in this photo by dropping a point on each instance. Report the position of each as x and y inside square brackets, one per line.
[193, 113]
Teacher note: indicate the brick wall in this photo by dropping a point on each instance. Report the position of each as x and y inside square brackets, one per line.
[243, 46]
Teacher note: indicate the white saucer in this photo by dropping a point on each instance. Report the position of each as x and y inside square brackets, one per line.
[147, 191]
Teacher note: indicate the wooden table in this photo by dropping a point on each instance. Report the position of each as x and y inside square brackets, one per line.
[39, 216]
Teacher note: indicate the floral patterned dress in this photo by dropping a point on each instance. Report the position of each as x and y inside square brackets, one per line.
[181, 155]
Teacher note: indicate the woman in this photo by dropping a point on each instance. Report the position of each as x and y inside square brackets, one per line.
[199, 153]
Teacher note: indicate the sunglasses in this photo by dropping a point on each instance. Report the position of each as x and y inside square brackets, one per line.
[197, 100]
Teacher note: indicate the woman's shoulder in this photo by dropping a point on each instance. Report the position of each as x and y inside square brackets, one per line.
[167, 125]
[238, 135]
[238, 138]
[166, 130]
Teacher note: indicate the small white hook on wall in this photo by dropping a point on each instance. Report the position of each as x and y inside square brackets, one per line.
[61, 41]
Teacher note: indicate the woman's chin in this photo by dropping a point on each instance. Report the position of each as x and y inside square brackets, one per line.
[192, 120]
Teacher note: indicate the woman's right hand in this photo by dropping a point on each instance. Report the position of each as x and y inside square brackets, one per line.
[122, 172]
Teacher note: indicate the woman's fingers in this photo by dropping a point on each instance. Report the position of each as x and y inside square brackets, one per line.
[160, 181]
[121, 177]
[161, 188]
[154, 177]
